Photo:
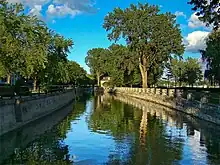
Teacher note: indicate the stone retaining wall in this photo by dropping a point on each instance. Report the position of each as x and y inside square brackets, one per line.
[171, 98]
[17, 112]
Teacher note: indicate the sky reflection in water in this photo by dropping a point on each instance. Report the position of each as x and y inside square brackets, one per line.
[104, 130]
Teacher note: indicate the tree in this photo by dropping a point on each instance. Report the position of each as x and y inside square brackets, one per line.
[188, 71]
[177, 70]
[150, 35]
[76, 73]
[56, 70]
[212, 55]
[120, 63]
[208, 11]
[192, 71]
[11, 36]
[35, 50]
[96, 59]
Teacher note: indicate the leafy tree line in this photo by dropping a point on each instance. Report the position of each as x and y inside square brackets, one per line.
[184, 71]
[154, 42]
[34, 52]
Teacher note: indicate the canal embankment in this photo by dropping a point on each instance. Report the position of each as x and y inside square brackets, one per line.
[18, 111]
[20, 138]
[174, 99]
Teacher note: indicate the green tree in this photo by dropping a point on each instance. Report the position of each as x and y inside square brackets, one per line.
[56, 71]
[11, 36]
[212, 55]
[193, 71]
[35, 50]
[177, 70]
[96, 59]
[208, 11]
[76, 73]
[29, 49]
[152, 36]
[120, 63]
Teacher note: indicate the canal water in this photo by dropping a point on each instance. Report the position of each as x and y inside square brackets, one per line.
[113, 130]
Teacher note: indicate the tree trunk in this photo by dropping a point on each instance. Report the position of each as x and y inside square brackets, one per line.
[9, 79]
[35, 84]
[144, 73]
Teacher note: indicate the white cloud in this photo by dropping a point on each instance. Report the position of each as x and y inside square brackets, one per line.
[36, 10]
[194, 22]
[196, 41]
[30, 3]
[58, 8]
[61, 11]
[180, 14]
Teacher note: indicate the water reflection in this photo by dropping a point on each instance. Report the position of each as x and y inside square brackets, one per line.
[41, 142]
[120, 130]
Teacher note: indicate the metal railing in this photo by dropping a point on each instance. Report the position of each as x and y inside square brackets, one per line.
[9, 92]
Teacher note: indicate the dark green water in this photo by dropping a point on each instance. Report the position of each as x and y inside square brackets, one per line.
[104, 130]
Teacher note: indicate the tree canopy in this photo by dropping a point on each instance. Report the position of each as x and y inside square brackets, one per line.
[152, 36]
[208, 11]
[187, 71]
[212, 55]
[96, 59]
[32, 51]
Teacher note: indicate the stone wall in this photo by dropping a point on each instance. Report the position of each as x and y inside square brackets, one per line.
[173, 99]
[17, 112]
[20, 138]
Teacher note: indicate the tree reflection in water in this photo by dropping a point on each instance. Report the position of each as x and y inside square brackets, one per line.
[49, 149]
[133, 136]
[144, 134]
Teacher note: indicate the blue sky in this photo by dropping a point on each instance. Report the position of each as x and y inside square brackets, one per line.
[81, 20]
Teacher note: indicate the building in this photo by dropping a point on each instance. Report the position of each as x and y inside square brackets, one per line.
[104, 80]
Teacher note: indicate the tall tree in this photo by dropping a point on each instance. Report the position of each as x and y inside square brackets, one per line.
[212, 55]
[177, 70]
[35, 50]
[96, 59]
[193, 71]
[208, 11]
[56, 71]
[76, 73]
[11, 36]
[152, 36]
[120, 63]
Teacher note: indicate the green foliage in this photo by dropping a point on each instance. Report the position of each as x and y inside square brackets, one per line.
[177, 70]
[2, 71]
[193, 71]
[212, 55]
[76, 73]
[29, 49]
[120, 63]
[96, 59]
[208, 11]
[188, 71]
[152, 36]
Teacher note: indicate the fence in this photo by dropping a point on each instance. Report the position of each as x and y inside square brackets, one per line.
[204, 96]
[202, 104]
[13, 91]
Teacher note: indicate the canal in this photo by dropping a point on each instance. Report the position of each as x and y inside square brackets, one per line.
[113, 130]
